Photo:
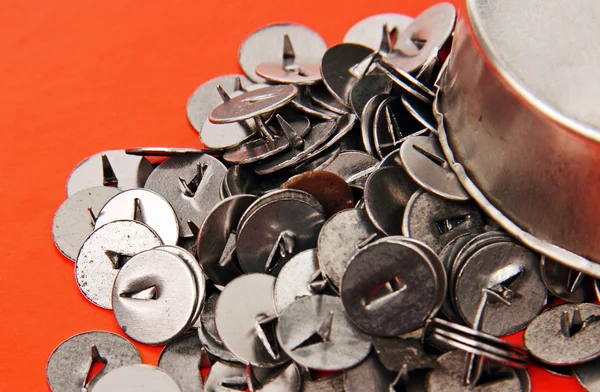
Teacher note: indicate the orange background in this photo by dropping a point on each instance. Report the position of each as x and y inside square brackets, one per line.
[81, 76]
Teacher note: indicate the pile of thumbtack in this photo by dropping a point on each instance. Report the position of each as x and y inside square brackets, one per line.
[319, 241]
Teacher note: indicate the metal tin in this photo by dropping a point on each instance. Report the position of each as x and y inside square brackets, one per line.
[520, 124]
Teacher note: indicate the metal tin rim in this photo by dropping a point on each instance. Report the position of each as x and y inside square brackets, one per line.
[503, 70]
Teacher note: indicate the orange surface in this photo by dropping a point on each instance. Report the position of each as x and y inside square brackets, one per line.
[80, 76]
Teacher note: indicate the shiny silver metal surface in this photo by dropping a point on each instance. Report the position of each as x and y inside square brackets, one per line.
[190, 183]
[448, 377]
[70, 363]
[565, 335]
[275, 232]
[267, 45]
[504, 113]
[242, 307]
[336, 68]
[104, 252]
[109, 168]
[295, 278]
[394, 298]
[316, 333]
[225, 377]
[137, 378]
[199, 277]
[206, 97]
[224, 136]
[145, 206]
[367, 32]
[216, 239]
[305, 73]
[154, 297]
[387, 192]
[75, 218]
[339, 239]
[182, 358]
[253, 103]
[433, 26]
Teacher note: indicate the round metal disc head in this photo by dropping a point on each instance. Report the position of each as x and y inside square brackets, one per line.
[299, 73]
[467, 246]
[437, 221]
[74, 220]
[70, 363]
[433, 27]
[328, 188]
[298, 278]
[367, 124]
[316, 137]
[259, 149]
[217, 239]
[348, 164]
[336, 68]
[199, 277]
[109, 168]
[424, 161]
[315, 332]
[366, 88]
[588, 376]
[182, 359]
[565, 335]
[369, 376]
[144, 206]
[368, 32]
[563, 282]
[396, 297]
[387, 192]
[226, 377]
[206, 97]
[190, 183]
[137, 378]
[223, 136]
[267, 45]
[253, 103]
[449, 376]
[275, 232]
[340, 238]
[154, 297]
[104, 252]
[503, 271]
[323, 97]
[243, 318]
